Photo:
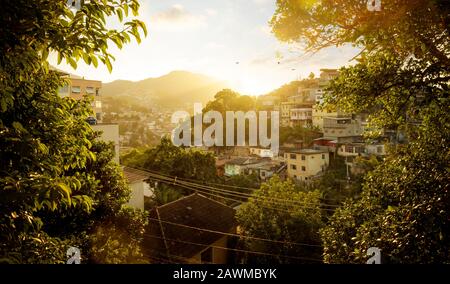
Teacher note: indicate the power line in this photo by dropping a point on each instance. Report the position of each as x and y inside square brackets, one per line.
[218, 184]
[224, 185]
[284, 202]
[235, 235]
[247, 195]
[277, 201]
[239, 201]
[238, 250]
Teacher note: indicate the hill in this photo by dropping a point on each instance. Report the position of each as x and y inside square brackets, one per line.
[174, 89]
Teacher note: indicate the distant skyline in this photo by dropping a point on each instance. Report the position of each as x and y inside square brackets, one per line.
[229, 40]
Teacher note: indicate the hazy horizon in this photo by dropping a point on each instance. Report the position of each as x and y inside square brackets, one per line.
[228, 40]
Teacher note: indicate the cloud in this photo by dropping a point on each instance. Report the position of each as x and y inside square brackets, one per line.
[178, 16]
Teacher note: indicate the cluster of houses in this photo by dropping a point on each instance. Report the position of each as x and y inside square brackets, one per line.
[340, 134]
[198, 229]
[138, 127]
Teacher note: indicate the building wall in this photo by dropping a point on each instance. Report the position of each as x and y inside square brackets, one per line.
[261, 152]
[110, 133]
[311, 165]
[231, 170]
[80, 87]
[340, 127]
[319, 114]
[301, 116]
[219, 256]
[353, 149]
[286, 113]
[137, 195]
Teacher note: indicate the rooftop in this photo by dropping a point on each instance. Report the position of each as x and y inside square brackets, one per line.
[308, 151]
[244, 161]
[134, 175]
[194, 210]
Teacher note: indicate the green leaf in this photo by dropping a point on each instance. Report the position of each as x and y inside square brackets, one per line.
[19, 127]
[94, 60]
[108, 65]
[120, 14]
[86, 58]
[72, 62]
[45, 54]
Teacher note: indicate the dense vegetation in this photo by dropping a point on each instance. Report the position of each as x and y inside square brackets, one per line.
[401, 77]
[59, 186]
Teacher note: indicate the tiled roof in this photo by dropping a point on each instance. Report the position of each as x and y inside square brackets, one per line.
[307, 151]
[134, 175]
[193, 211]
[245, 161]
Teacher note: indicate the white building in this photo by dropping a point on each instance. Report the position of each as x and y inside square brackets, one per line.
[136, 180]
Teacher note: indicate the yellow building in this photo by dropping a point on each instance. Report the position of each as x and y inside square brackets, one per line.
[286, 113]
[306, 164]
[79, 87]
[318, 114]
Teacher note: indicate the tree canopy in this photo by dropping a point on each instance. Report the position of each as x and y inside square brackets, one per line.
[401, 77]
[54, 175]
[298, 221]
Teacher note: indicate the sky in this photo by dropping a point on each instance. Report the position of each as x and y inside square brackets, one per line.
[229, 40]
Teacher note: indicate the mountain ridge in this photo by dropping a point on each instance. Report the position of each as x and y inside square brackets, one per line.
[175, 88]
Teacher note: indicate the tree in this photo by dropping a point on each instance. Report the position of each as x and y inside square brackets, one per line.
[403, 209]
[290, 134]
[288, 223]
[171, 160]
[50, 167]
[401, 78]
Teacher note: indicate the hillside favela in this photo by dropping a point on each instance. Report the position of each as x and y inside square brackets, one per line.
[259, 132]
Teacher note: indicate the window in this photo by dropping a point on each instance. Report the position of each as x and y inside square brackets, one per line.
[380, 149]
[76, 89]
[303, 157]
[97, 91]
[206, 256]
[293, 167]
[98, 115]
[98, 104]
[293, 156]
[90, 90]
[263, 174]
[306, 178]
[303, 168]
[323, 156]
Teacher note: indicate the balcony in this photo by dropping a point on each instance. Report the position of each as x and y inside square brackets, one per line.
[301, 114]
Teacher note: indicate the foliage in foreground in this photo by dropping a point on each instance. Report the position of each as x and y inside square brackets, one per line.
[59, 186]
